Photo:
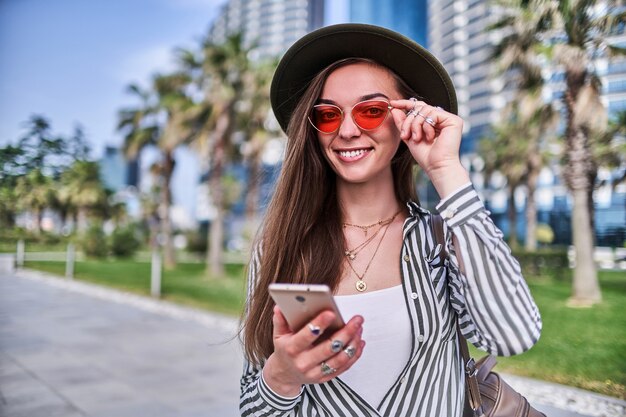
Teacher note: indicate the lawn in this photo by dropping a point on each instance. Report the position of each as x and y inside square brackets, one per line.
[188, 284]
[585, 348]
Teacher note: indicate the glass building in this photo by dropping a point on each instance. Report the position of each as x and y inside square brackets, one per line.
[407, 17]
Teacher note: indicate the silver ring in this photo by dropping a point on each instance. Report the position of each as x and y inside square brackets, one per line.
[411, 113]
[429, 121]
[315, 330]
[350, 351]
[413, 99]
[336, 345]
[327, 370]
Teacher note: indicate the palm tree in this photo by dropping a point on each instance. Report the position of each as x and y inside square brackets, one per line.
[160, 120]
[221, 71]
[82, 191]
[583, 27]
[258, 130]
[504, 151]
[35, 192]
[518, 57]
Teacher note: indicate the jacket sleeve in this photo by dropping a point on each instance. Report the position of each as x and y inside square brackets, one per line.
[257, 398]
[496, 310]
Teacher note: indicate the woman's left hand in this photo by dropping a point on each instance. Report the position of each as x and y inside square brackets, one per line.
[433, 137]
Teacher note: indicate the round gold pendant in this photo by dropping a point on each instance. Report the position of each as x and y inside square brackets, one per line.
[361, 285]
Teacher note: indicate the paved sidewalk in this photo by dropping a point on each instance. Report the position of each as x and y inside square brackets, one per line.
[72, 349]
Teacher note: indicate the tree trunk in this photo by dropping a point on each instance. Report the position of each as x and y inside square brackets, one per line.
[169, 253]
[512, 216]
[81, 219]
[38, 214]
[534, 165]
[585, 291]
[585, 286]
[252, 194]
[215, 252]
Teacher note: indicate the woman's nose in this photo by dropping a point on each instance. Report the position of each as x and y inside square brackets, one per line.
[348, 129]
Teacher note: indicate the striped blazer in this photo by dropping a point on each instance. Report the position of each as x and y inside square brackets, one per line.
[490, 300]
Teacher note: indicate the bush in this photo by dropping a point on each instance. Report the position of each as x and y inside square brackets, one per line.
[124, 242]
[197, 242]
[543, 262]
[94, 242]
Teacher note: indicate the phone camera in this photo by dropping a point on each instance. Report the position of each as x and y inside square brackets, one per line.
[300, 298]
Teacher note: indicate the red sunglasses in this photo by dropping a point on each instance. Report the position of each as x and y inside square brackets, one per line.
[367, 115]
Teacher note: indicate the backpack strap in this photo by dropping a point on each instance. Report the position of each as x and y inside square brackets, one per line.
[469, 364]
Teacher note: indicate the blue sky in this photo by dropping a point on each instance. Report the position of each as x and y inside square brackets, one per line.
[70, 60]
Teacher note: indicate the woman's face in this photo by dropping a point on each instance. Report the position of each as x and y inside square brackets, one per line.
[357, 155]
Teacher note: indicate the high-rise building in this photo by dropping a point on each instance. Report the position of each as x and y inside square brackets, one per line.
[406, 17]
[457, 35]
[116, 172]
[273, 25]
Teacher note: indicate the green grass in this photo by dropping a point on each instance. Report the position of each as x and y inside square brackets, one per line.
[187, 284]
[585, 348]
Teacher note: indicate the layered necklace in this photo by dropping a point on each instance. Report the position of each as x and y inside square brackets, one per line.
[351, 253]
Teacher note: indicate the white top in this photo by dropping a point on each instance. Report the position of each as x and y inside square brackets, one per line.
[387, 334]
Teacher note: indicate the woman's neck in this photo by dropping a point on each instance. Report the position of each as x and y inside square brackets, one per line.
[367, 203]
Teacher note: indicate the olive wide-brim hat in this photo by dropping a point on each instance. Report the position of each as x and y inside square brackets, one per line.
[318, 49]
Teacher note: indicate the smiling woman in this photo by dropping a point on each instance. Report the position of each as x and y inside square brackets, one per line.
[361, 106]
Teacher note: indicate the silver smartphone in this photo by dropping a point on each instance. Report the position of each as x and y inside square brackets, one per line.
[300, 303]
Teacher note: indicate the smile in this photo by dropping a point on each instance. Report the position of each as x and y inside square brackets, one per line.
[353, 154]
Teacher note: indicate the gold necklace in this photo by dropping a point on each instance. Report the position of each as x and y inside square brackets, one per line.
[351, 253]
[369, 226]
[360, 284]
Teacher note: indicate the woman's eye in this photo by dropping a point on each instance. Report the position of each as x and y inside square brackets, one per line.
[372, 111]
[328, 115]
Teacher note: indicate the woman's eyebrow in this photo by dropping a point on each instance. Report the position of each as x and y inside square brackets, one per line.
[362, 98]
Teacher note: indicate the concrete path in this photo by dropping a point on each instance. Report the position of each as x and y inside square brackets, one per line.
[73, 349]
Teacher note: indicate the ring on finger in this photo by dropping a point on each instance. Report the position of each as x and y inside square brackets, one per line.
[430, 121]
[411, 113]
[350, 351]
[326, 369]
[336, 345]
[315, 330]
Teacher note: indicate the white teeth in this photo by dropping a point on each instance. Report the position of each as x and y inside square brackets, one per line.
[352, 154]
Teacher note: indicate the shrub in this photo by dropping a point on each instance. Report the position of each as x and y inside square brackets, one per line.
[197, 242]
[124, 242]
[543, 262]
[94, 242]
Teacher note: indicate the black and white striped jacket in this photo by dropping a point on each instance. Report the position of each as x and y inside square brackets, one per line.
[491, 300]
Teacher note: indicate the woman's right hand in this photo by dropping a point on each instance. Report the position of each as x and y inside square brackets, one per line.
[297, 361]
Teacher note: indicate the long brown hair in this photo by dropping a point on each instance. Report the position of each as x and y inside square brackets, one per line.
[302, 239]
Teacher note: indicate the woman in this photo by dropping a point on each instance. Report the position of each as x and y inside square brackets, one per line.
[360, 106]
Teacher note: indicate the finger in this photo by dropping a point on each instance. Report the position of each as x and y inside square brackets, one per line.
[281, 328]
[429, 123]
[345, 357]
[306, 336]
[406, 128]
[333, 368]
[327, 349]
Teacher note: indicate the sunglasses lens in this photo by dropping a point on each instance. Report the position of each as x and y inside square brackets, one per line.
[370, 114]
[326, 119]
